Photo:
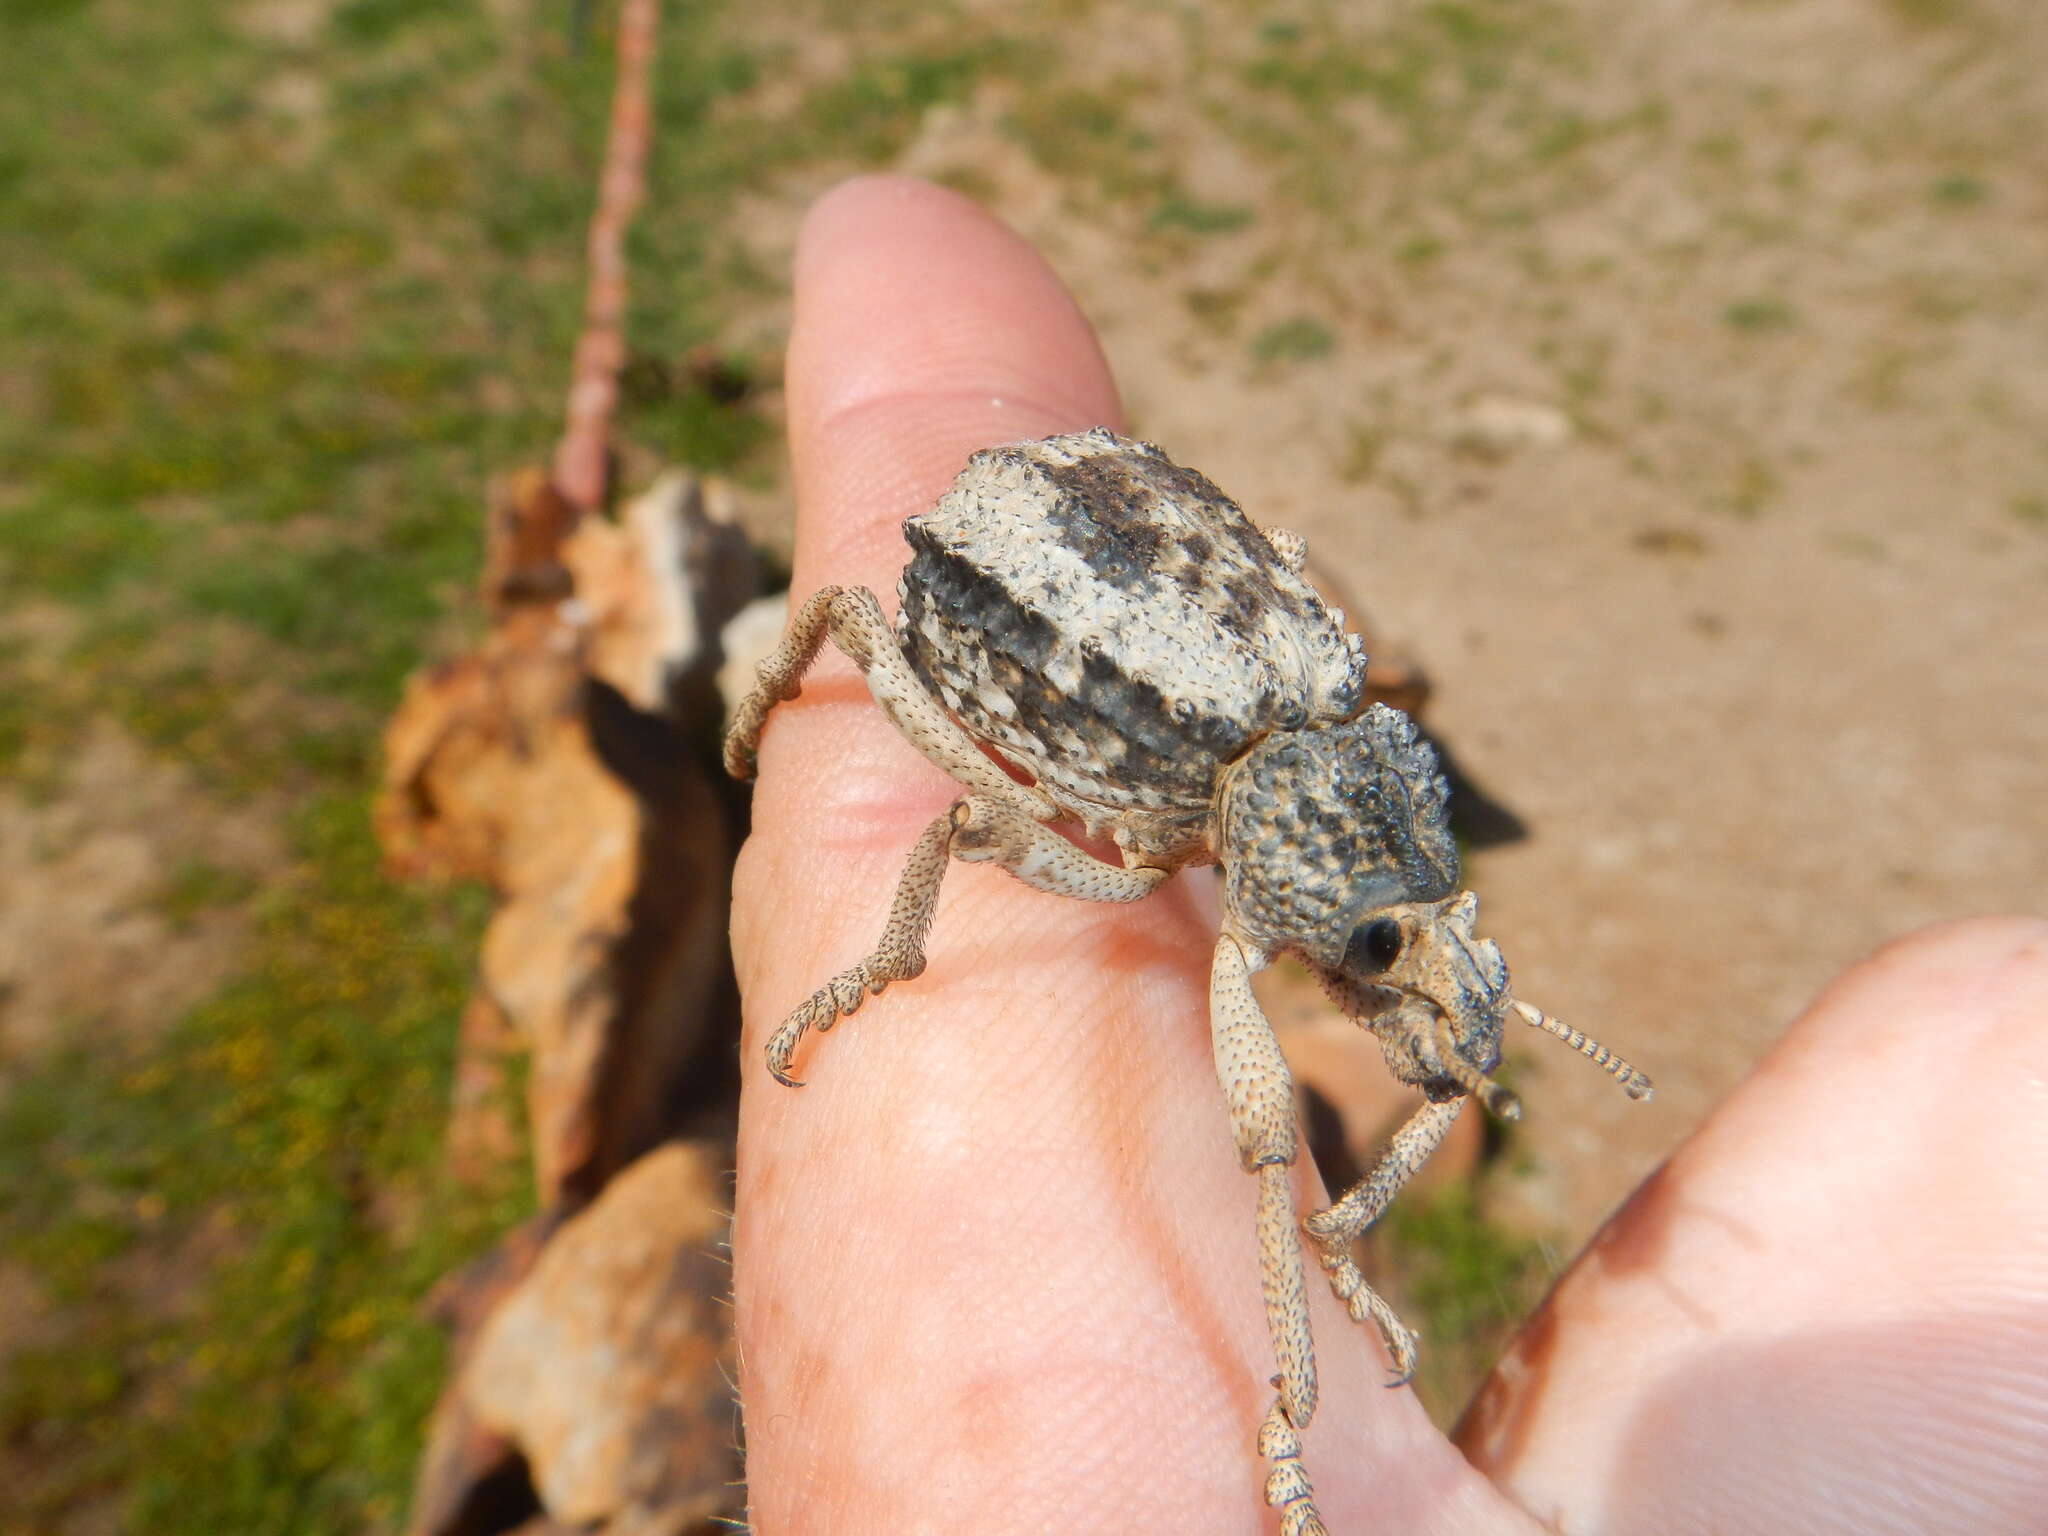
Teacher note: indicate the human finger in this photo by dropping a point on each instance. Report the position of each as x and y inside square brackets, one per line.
[995, 1266]
[1829, 1311]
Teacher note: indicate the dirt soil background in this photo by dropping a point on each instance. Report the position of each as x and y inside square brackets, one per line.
[1671, 382]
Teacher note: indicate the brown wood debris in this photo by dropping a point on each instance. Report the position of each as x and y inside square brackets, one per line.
[568, 761]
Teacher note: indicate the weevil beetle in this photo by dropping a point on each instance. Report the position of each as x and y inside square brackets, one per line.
[1112, 625]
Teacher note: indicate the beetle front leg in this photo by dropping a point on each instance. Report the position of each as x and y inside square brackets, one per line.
[1337, 1228]
[1260, 1094]
[1287, 1486]
[852, 618]
[974, 830]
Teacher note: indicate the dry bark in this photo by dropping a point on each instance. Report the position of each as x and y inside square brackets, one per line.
[569, 760]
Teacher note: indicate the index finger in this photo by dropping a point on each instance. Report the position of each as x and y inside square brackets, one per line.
[995, 1268]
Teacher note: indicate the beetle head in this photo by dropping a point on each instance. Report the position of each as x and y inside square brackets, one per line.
[1435, 994]
[1336, 844]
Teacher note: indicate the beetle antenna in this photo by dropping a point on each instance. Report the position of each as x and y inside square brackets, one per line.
[1499, 1102]
[1633, 1083]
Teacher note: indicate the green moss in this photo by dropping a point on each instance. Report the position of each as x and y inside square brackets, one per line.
[1177, 211]
[1300, 338]
[195, 886]
[1463, 1281]
[1759, 315]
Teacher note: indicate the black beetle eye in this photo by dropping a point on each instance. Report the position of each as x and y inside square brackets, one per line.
[1374, 947]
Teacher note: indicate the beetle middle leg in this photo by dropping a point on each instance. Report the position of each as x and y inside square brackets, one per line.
[852, 618]
[1344, 1222]
[975, 830]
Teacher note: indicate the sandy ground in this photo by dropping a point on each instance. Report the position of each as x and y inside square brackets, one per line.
[1681, 404]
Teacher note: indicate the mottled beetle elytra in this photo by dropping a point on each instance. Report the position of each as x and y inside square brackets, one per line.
[1114, 626]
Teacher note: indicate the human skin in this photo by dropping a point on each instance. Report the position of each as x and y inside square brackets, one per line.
[995, 1266]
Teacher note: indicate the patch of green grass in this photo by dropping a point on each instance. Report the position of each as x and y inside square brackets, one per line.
[1426, 69]
[1085, 137]
[18, 710]
[365, 23]
[1177, 211]
[221, 243]
[196, 885]
[1065, 125]
[282, 1145]
[1932, 13]
[1364, 445]
[1958, 191]
[1299, 339]
[1759, 315]
[1756, 485]
[1466, 1283]
[256, 382]
[872, 110]
[1419, 250]
[1483, 94]
[697, 427]
[702, 412]
[2031, 510]
[29, 13]
[1215, 308]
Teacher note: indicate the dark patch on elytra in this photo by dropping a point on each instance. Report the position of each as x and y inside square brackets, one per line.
[1112, 493]
[1248, 604]
[1251, 542]
[972, 600]
[1108, 517]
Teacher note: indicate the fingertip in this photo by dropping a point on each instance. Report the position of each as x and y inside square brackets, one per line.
[925, 328]
[909, 289]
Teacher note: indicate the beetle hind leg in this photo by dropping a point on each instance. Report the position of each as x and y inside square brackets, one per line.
[1337, 1228]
